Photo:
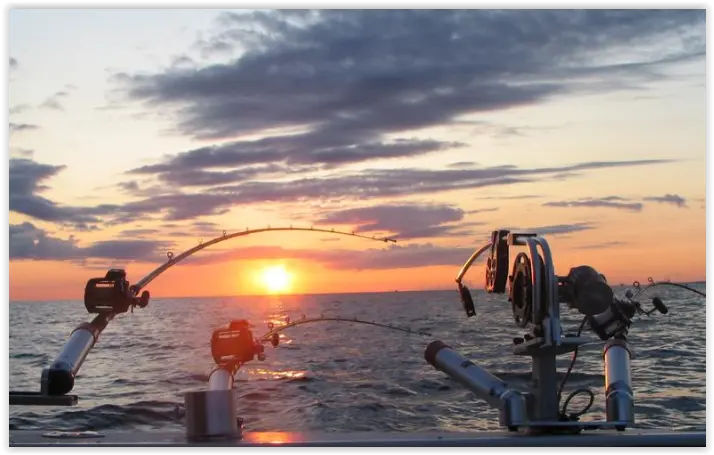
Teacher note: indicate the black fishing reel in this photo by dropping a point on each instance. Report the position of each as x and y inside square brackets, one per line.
[112, 294]
[234, 345]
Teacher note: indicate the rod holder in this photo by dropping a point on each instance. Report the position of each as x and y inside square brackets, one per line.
[211, 414]
[619, 400]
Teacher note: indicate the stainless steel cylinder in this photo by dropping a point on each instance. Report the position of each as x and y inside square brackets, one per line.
[220, 379]
[58, 379]
[619, 400]
[211, 414]
[510, 402]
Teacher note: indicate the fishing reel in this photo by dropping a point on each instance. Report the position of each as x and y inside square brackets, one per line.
[235, 345]
[534, 291]
[616, 320]
[112, 294]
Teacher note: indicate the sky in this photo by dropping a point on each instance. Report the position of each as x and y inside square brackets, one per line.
[137, 132]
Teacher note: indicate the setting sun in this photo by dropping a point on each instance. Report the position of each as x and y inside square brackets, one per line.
[276, 279]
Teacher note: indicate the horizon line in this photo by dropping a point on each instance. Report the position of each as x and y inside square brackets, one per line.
[13, 301]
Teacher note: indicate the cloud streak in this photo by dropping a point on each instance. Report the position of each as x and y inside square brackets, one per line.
[26, 241]
[673, 199]
[608, 202]
[404, 221]
[618, 202]
[22, 127]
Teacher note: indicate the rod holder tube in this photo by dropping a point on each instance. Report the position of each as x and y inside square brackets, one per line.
[211, 414]
[220, 379]
[511, 403]
[58, 379]
[619, 400]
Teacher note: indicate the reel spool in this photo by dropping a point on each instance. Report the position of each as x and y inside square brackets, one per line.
[497, 263]
[521, 291]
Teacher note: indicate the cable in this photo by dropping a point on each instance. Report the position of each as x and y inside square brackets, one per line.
[567, 374]
[572, 395]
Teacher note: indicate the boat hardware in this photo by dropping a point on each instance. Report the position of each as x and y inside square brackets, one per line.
[535, 293]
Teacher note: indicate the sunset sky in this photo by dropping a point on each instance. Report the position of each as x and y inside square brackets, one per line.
[136, 132]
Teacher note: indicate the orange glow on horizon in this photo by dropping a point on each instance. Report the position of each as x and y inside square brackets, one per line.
[624, 247]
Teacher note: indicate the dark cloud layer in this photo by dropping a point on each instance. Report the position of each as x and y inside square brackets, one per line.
[404, 221]
[29, 242]
[26, 176]
[25, 182]
[325, 90]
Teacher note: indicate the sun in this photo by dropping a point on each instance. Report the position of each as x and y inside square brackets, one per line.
[276, 279]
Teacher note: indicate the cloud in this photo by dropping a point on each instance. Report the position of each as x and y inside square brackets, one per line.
[53, 102]
[674, 199]
[25, 182]
[299, 153]
[26, 176]
[323, 91]
[22, 127]
[19, 152]
[618, 202]
[558, 229]
[405, 221]
[18, 109]
[462, 164]
[392, 257]
[139, 232]
[30, 242]
[508, 198]
[602, 245]
[614, 202]
[13, 63]
[26, 241]
[329, 71]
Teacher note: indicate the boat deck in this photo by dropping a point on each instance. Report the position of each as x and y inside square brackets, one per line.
[603, 438]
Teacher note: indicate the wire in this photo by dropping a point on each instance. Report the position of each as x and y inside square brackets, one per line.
[572, 395]
[570, 369]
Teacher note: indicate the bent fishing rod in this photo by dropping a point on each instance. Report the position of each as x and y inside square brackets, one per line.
[234, 346]
[112, 295]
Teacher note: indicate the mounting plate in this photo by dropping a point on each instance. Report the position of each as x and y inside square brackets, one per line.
[40, 399]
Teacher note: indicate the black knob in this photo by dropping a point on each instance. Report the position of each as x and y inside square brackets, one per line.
[659, 305]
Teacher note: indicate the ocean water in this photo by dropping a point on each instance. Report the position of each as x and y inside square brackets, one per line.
[337, 376]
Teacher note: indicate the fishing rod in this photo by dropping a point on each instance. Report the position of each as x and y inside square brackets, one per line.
[112, 295]
[639, 289]
[173, 260]
[235, 345]
[273, 332]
